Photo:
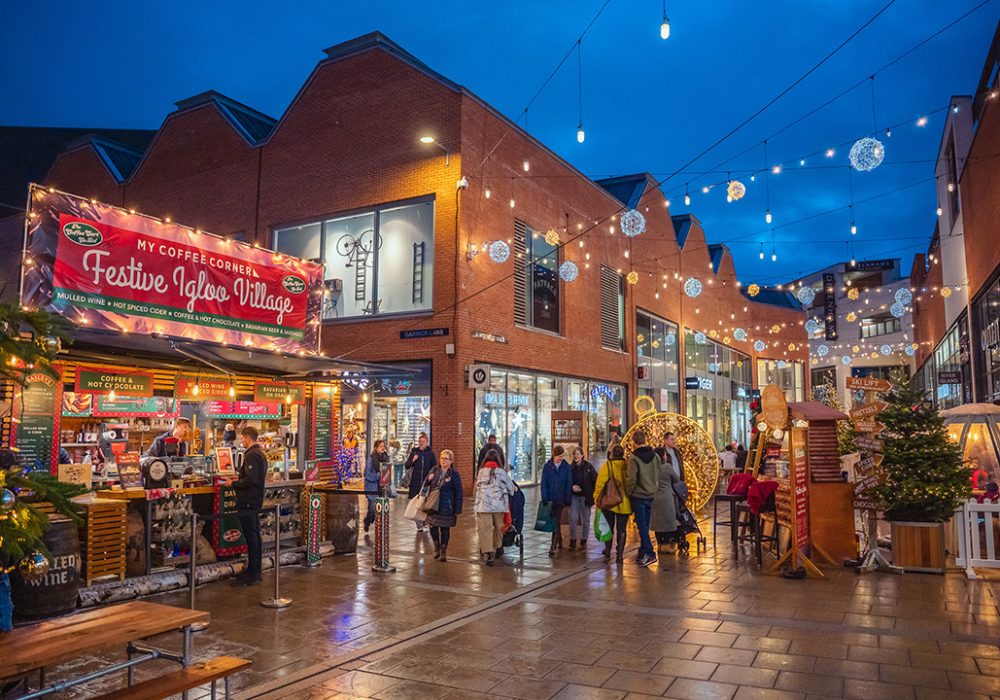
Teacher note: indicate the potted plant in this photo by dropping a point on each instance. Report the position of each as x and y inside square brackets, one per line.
[922, 479]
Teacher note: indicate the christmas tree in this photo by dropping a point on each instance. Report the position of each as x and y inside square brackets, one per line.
[922, 476]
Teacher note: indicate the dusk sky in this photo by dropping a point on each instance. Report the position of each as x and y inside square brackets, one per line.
[648, 104]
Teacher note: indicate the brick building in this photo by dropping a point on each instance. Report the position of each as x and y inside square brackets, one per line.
[399, 179]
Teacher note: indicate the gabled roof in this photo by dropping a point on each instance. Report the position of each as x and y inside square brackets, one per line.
[716, 252]
[682, 227]
[627, 189]
[252, 125]
[118, 159]
[774, 297]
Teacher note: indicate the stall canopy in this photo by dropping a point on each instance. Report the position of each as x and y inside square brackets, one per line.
[814, 410]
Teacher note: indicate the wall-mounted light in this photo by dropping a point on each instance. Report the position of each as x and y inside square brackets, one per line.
[428, 139]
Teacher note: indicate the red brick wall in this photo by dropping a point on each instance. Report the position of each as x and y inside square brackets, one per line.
[928, 307]
[81, 172]
[980, 189]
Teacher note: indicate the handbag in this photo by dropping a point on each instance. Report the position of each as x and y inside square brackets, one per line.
[414, 509]
[430, 504]
[610, 496]
[681, 489]
[544, 520]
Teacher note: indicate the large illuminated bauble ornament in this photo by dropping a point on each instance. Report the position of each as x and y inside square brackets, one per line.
[7, 499]
[853, 293]
[781, 364]
[699, 338]
[805, 295]
[753, 290]
[855, 348]
[897, 310]
[713, 333]
[845, 359]
[851, 317]
[736, 190]
[867, 154]
[812, 326]
[633, 223]
[552, 237]
[946, 292]
[740, 334]
[33, 567]
[701, 461]
[568, 271]
[823, 350]
[499, 251]
[886, 349]
[776, 328]
[904, 296]
[759, 345]
[632, 277]
[671, 338]
[692, 287]
[909, 351]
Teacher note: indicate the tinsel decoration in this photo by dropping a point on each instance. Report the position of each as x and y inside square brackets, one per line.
[904, 296]
[806, 295]
[946, 292]
[713, 367]
[552, 237]
[633, 223]
[853, 294]
[909, 350]
[740, 334]
[886, 349]
[499, 251]
[791, 347]
[754, 289]
[759, 345]
[632, 277]
[855, 348]
[568, 271]
[736, 190]
[823, 350]
[33, 567]
[713, 333]
[867, 154]
[897, 310]
[692, 287]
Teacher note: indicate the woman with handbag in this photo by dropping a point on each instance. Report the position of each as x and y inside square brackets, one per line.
[420, 462]
[584, 477]
[557, 491]
[443, 502]
[493, 491]
[610, 497]
[374, 466]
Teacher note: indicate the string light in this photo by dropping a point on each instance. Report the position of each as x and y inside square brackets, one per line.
[580, 135]
[665, 25]
[526, 165]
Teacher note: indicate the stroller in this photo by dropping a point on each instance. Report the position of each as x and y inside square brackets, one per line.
[514, 522]
[686, 524]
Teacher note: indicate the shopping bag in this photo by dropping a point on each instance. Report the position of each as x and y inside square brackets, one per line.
[404, 483]
[611, 495]
[431, 501]
[544, 520]
[414, 509]
[602, 529]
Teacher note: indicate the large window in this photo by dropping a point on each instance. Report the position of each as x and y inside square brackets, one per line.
[948, 364]
[377, 262]
[717, 388]
[613, 309]
[880, 325]
[537, 285]
[823, 382]
[657, 350]
[787, 376]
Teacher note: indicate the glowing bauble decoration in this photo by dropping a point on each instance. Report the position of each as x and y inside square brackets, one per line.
[632, 277]
[781, 364]
[867, 154]
[776, 328]
[713, 333]
[699, 338]
[568, 271]
[812, 326]
[853, 293]
[726, 339]
[946, 292]
[633, 223]
[777, 433]
[552, 237]
[499, 251]
[823, 350]
[753, 290]
[33, 567]
[874, 355]
[904, 296]
[805, 295]
[713, 367]
[671, 338]
[851, 317]
[897, 310]
[791, 347]
[886, 349]
[759, 345]
[692, 287]
[740, 334]
[7, 499]
[736, 190]
[909, 351]
[762, 426]
[845, 359]
[855, 348]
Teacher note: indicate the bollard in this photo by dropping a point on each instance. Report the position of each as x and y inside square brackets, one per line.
[380, 550]
[197, 626]
[276, 601]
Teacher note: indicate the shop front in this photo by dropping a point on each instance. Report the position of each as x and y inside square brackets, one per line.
[718, 386]
[986, 341]
[520, 408]
[658, 359]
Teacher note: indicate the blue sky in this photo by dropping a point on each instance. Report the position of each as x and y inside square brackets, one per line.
[648, 104]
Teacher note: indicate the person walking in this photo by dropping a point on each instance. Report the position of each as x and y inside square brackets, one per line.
[584, 477]
[491, 444]
[663, 520]
[617, 516]
[557, 489]
[376, 462]
[444, 479]
[642, 476]
[493, 491]
[420, 462]
[249, 500]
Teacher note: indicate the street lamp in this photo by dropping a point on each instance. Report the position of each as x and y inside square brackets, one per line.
[430, 140]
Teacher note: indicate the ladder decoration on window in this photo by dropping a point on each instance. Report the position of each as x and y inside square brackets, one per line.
[418, 272]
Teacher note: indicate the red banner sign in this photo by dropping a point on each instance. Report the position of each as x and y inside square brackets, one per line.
[111, 270]
[242, 409]
[196, 388]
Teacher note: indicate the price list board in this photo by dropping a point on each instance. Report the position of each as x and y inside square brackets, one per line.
[227, 535]
[36, 419]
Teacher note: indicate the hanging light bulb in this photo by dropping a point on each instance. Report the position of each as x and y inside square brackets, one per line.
[774, 256]
[197, 389]
[511, 202]
[288, 399]
[854, 228]
[580, 135]
[940, 211]
[526, 165]
[767, 217]
[232, 390]
[111, 395]
[687, 199]
[761, 251]
[488, 192]
[364, 397]
[665, 25]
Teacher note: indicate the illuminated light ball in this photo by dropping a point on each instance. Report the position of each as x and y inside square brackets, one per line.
[886, 349]
[699, 338]
[823, 350]
[874, 355]
[791, 347]
[855, 348]
[776, 328]
[915, 345]
[633, 223]
[713, 333]
[552, 237]
[845, 359]
[897, 310]
[812, 326]
[815, 360]
[762, 426]
[33, 567]
[736, 190]
[805, 295]
[632, 277]
[759, 345]
[781, 364]
[777, 433]
[946, 292]
[692, 287]
[7, 499]
[867, 154]
[740, 334]
[853, 294]
[726, 339]
[568, 271]
[904, 296]
[499, 251]
[713, 367]
[852, 317]
[753, 290]
[671, 338]
[909, 351]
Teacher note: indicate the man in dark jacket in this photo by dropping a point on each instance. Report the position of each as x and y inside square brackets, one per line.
[491, 444]
[669, 454]
[249, 500]
[181, 432]
[420, 462]
[642, 477]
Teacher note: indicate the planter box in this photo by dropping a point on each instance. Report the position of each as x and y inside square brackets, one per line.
[919, 546]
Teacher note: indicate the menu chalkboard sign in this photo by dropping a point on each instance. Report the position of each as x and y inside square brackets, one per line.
[37, 412]
[129, 471]
[227, 535]
[322, 426]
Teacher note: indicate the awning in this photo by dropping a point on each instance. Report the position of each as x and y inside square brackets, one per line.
[815, 410]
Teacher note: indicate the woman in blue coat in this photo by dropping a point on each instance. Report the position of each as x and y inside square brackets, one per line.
[377, 461]
[420, 462]
[557, 489]
[444, 478]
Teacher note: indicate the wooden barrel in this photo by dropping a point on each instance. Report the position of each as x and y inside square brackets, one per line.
[56, 592]
[342, 519]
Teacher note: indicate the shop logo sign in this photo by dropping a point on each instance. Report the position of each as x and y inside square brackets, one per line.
[293, 284]
[989, 338]
[232, 535]
[82, 234]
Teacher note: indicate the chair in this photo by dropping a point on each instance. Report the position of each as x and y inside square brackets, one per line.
[732, 500]
[751, 529]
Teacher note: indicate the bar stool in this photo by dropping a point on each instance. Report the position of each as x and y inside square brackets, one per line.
[752, 530]
[732, 500]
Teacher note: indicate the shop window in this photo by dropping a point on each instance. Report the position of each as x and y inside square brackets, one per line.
[787, 376]
[822, 381]
[880, 325]
[612, 309]
[377, 262]
[657, 355]
[537, 284]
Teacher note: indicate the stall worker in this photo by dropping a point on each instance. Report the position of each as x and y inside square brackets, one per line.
[181, 432]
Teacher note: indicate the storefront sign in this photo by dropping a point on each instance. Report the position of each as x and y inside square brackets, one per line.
[189, 387]
[117, 271]
[242, 410]
[36, 421]
[227, 535]
[949, 377]
[703, 383]
[873, 265]
[868, 384]
[800, 486]
[129, 471]
[501, 399]
[100, 380]
[490, 337]
[132, 407]
[279, 391]
[322, 424]
[423, 333]
[314, 516]
[868, 409]
[830, 306]
[598, 391]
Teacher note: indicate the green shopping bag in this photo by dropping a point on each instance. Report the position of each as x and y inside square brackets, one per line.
[545, 521]
[602, 528]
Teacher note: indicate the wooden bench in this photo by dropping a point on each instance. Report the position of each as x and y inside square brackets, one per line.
[221, 667]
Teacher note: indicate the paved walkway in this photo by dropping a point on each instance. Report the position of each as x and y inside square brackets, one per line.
[575, 627]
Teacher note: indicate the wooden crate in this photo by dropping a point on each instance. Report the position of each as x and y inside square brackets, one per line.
[918, 546]
[103, 540]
